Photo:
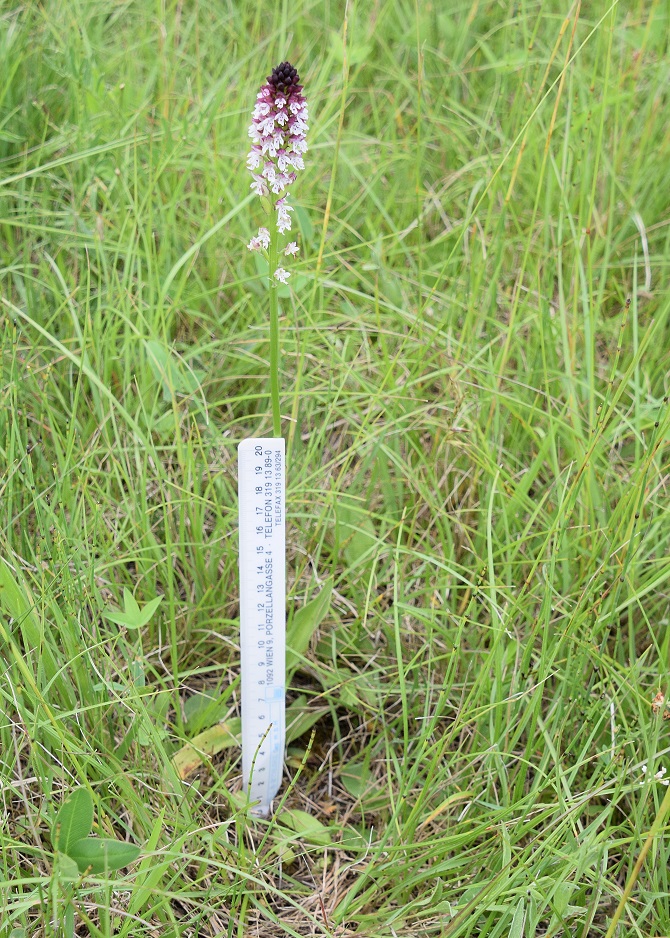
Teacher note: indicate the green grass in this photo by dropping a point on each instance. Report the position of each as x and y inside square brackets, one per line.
[475, 360]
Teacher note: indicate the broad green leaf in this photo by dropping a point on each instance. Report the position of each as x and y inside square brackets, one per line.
[355, 531]
[74, 820]
[355, 778]
[355, 841]
[305, 623]
[191, 756]
[102, 854]
[561, 898]
[137, 674]
[284, 852]
[306, 827]
[130, 604]
[517, 929]
[300, 717]
[68, 871]
[119, 618]
[148, 610]
[133, 617]
[202, 710]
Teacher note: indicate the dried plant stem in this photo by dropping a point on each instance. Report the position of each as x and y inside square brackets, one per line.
[655, 829]
[274, 334]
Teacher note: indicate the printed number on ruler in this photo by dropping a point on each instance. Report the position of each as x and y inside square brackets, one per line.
[262, 613]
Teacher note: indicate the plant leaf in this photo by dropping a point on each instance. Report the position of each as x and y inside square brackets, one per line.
[219, 737]
[202, 710]
[356, 532]
[133, 617]
[355, 778]
[517, 928]
[102, 854]
[118, 617]
[130, 603]
[148, 610]
[300, 717]
[68, 871]
[305, 623]
[74, 820]
[306, 826]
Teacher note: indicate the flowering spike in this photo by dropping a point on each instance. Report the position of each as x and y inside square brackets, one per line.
[278, 130]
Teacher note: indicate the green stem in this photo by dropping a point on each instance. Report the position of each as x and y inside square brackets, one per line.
[274, 331]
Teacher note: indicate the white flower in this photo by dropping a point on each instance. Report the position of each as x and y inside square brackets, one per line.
[281, 275]
[262, 240]
[291, 249]
[259, 186]
[254, 158]
[269, 171]
[280, 183]
[283, 217]
[298, 127]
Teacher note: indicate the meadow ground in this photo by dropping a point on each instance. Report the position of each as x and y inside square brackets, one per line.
[475, 347]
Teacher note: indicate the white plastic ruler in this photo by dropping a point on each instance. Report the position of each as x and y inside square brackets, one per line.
[262, 513]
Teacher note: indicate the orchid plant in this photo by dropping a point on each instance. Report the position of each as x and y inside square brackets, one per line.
[278, 130]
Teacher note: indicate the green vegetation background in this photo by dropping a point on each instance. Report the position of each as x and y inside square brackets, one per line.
[475, 355]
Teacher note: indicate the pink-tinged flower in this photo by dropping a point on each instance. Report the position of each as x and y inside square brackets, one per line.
[281, 275]
[262, 240]
[278, 129]
[291, 249]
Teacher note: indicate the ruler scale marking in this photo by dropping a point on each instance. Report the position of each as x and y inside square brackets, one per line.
[262, 512]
